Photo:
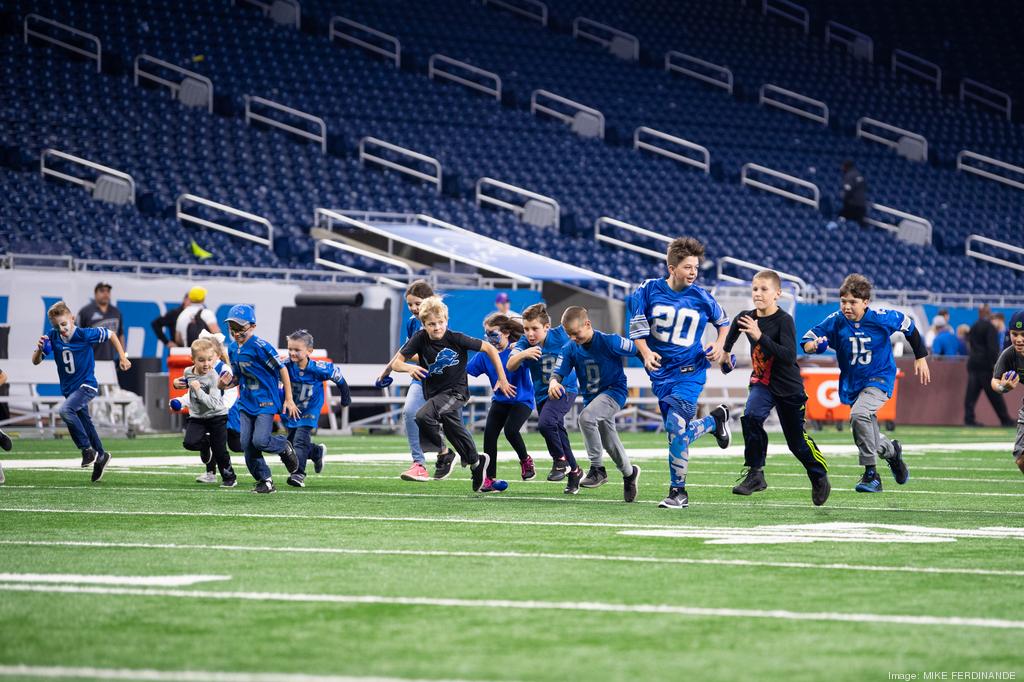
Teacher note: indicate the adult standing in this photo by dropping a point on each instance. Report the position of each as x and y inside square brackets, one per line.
[194, 318]
[102, 313]
[854, 194]
[168, 322]
[503, 305]
[983, 340]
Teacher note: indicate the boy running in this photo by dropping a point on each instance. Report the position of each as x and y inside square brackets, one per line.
[1006, 377]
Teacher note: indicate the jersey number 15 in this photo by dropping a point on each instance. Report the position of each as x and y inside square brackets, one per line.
[860, 353]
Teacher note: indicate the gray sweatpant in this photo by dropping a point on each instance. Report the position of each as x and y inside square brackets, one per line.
[871, 442]
[597, 423]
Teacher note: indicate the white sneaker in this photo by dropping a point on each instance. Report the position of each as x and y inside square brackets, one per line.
[208, 477]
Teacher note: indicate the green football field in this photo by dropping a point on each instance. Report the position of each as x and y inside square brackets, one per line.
[150, 575]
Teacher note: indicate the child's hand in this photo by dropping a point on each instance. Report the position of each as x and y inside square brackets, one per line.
[921, 370]
[818, 345]
[728, 365]
[291, 409]
[531, 353]
[555, 390]
[748, 325]
[383, 382]
[714, 353]
[225, 381]
[43, 345]
[195, 385]
[418, 372]
[125, 364]
[506, 388]
[179, 383]
[652, 361]
[1010, 381]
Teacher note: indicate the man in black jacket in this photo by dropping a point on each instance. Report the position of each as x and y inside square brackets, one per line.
[168, 321]
[983, 341]
[855, 201]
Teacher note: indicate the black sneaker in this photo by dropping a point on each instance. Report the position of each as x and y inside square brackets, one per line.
[229, 482]
[629, 485]
[480, 471]
[820, 488]
[318, 459]
[444, 465]
[752, 483]
[677, 499]
[99, 465]
[288, 458]
[5, 442]
[869, 483]
[297, 480]
[558, 469]
[88, 457]
[205, 455]
[897, 465]
[722, 432]
[595, 478]
[265, 487]
[572, 478]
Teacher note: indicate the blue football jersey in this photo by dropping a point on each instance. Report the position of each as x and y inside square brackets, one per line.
[521, 379]
[308, 390]
[540, 370]
[76, 364]
[863, 349]
[258, 370]
[598, 365]
[672, 323]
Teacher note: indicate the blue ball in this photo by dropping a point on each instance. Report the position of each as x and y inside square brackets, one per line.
[499, 485]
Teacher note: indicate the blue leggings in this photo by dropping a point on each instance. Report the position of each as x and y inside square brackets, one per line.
[682, 429]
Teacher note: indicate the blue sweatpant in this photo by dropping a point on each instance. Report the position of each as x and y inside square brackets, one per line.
[257, 437]
[75, 413]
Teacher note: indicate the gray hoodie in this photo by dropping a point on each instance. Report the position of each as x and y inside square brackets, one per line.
[208, 401]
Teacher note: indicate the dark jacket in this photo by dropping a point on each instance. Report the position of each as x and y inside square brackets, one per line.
[983, 342]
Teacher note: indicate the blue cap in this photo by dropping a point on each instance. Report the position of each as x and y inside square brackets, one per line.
[1017, 322]
[242, 313]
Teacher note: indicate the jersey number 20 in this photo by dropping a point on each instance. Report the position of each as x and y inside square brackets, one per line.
[677, 326]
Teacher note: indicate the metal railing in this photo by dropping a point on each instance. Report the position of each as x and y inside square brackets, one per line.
[364, 155]
[28, 31]
[182, 216]
[800, 284]
[394, 54]
[973, 253]
[523, 8]
[89, 184]
[745, 179]
[629, 227]
[989, 96]
[865, 122]
[267, 6]
[769, 93]
[383, 279]
[174, 86]
[922, 68]
[492, 90]
[790, 11]
[536, 105]
[584, 28]
[903, 215]
[704, 163]
[688, 65]
[845, 35]
[251, 116]
[966, 155]
[518, 209]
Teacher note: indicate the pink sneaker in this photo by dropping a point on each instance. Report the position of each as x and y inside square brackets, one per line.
[527, 469]
[417, 472]
[494, 485]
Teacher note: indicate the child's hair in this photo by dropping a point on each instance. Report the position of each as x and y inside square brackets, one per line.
[205, 345]
[537, 311]
[419, 289]
[57, 309]
[514, 328]
[857, 286]
[574, 314]
[772, 277]
[998, 316]
[684, 247]
[302, 335]
[433, 305]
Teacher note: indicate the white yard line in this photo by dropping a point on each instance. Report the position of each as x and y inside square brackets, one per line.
[134, 580]
[64, 672]
[530, 605]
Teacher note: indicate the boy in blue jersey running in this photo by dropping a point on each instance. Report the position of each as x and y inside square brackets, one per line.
[538, 350]
[307, 378]
[666, 322]
[72, 348]
[256, 371]
[867, 371]
[597, 359]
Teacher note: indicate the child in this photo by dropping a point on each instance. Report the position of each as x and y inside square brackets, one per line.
[73, 351]
[774, 382]
[1006, 377]
[414, 296]
[442, 360]
[307, 379]
[666, 321]
[206, 430]
[505, 413]
[256, 370]
[538, 350]
[867, 371]
[597, 357]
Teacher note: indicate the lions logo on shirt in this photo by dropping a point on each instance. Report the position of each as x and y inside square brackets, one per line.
[445, 359]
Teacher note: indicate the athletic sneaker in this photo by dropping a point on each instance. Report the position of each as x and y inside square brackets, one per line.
[207, 477]
[897, 465]
[88, 457]
[288, 458]
[558, 469]
[265, 487]
[229, 482]
[820, 489]
[722, 432]
[629, 485]
[319, 452]
[297, 480]
[5, 442]
[753, 482]
[443, 466]
[417, 472]
[869, 483]
[527, 469]
[572, 485]
[479, 471]
[99, 465]
[677, 499]
[595, 478]
[494, 485]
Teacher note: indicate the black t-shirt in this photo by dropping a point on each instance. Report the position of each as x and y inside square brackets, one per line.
[1008, 360]
[91, 316]
[774, 354]
[445, 359]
